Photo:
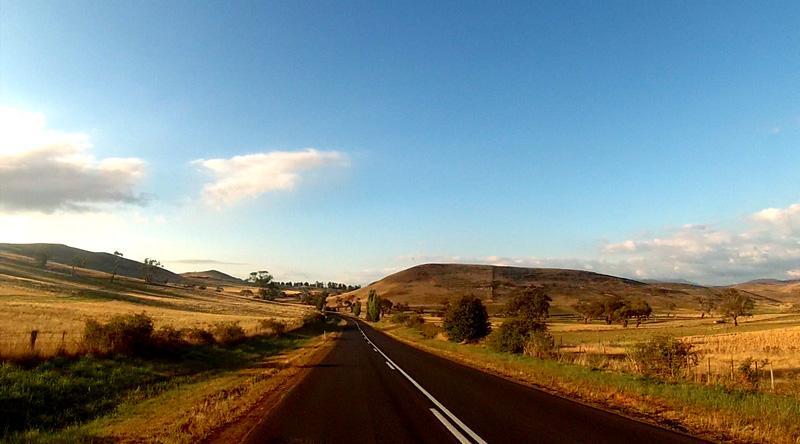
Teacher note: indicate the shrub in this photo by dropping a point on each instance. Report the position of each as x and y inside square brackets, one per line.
[663, 356]
[273, 326]
[227, 332]
[513, 334]
[168, 339]
[399, 318]
[466, 320]
[246, 292]
[202, 287]
[125, 334]
[429, 331]
[414, 321]
[539, 344]
[219, 289]
[198, 336]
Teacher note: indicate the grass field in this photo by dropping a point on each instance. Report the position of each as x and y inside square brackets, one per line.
[55, 303]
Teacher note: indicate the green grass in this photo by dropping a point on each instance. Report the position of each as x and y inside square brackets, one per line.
[778, 414]
[59, 393]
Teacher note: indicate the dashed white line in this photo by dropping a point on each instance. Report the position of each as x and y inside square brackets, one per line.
[435, 401]
[390, 365]
[461, 438]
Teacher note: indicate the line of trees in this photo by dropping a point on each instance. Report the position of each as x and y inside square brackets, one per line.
[614, 309]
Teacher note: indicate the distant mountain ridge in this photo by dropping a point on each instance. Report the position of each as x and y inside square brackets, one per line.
[99, 261]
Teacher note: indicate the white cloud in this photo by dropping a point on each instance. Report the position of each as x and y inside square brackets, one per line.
[248, 176]
[44, 170]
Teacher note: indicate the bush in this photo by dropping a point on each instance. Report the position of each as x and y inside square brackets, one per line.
[398, 318]
[246, 292]
[663, 356]
[467, 320]
[198, 336]
[429, 331]
[414, 321]
[168, 339]
[513, 334]
[125, 334]
[202, 287]
[539, 344]
[273, 326]
[227, 332]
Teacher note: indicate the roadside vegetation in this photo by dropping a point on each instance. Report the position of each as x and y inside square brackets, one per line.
[127, 361]
[655, 374]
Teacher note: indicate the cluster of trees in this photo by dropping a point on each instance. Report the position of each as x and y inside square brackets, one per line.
[149, 268]
[267, 287]
[317, 284]
[318, 300]
[614, 308]
[730, 304]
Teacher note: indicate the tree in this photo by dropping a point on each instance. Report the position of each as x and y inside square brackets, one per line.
[78, 261]
[357, 309]
[149, 268]
[261, 278]
[385, 307]
[467, 320]
[117, 259]
[640, 310]
[671, 306]
[42, 256]
[373, 306]
[705, 304]
[322, 300]
[589, 309]
[734, 304]
[533, 304]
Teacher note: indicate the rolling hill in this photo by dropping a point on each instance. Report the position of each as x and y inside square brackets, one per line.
[104, 262]
[213, 277]
[430, 284]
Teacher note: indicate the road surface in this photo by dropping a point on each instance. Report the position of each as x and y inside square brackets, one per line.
[372, 388]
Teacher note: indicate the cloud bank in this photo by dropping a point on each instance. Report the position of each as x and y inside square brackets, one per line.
[45, 170]
[248, 176]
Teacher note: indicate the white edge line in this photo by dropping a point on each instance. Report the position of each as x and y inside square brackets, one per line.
[461, 438]
[428, 395]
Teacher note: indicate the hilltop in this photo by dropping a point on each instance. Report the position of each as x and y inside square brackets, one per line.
[89, 260]
[430, 284]
[212, 277]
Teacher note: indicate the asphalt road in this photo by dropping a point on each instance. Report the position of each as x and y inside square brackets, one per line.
[372, 388]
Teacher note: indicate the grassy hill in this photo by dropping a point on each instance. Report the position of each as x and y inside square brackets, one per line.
[103, 262]
[212, 277]
[430, 284]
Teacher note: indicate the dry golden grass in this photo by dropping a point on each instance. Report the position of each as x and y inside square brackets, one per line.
[57, 304]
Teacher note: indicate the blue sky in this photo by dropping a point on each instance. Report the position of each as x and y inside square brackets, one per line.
[633, 138]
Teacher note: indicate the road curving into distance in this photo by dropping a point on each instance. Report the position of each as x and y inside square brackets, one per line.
[373, 388]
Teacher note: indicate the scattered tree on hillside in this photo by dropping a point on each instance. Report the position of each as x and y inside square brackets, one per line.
[78, 261]
[356, 307]
[466, 320]
[401, 307]
[705, 304]
[149, 268]
[373, 306]
[117, 259]
[41, 257]
[734, 304]
[671, 306]
[267, 288]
